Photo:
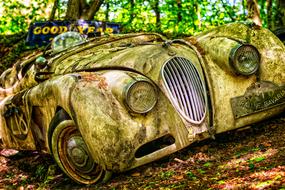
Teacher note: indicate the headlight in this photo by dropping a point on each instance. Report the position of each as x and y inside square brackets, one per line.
[245, 59]
[140, 96]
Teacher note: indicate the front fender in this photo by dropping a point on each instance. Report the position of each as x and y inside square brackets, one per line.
[99, 117]
[111, 131]
[225, 85]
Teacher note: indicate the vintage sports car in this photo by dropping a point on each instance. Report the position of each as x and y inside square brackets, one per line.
[115, 103]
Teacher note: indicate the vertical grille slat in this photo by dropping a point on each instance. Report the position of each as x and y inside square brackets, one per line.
[193, 89]
[173, 88]
[179, 87]
[188, 93]
[198, 87]
[189, 112]
[185, 88]
[197, 81]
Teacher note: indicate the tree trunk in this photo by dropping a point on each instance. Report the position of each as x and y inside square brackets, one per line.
[282, 7]
[253, 12]
[132, 11]
[280, 14]
[73, 11]
[244, 8]
[275, 14]
[179, 11]
[94, 8]
[53, 11]
[80, 9]
[269, 14]
[155, 8]
[193, 8]
[198, 12]
[107, 11]
[157, 14]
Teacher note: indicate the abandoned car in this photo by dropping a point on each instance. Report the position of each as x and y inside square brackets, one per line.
[115, 103]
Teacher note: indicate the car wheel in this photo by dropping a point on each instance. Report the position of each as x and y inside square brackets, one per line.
[71, 154]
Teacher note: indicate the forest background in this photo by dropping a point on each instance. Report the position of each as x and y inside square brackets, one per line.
[173, 18]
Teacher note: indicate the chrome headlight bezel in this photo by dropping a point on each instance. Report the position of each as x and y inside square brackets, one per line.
[129, 94]
[237, 66]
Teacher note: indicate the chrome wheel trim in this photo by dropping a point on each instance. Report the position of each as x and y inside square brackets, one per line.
[66, 142]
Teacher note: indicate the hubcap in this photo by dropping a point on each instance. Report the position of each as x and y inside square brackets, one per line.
[79, 157]
[72, 155]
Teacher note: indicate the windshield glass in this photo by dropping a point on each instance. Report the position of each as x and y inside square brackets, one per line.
[66, 40]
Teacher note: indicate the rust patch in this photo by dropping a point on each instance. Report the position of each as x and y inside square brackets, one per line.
[194, 42]
[91, 77]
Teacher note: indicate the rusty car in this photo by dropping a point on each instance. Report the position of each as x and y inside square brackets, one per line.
[113, 103]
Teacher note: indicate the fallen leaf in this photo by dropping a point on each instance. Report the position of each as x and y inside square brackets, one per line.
[267, 144]
[8, 152]
[178, 177]
[136, 174]
[180, 161]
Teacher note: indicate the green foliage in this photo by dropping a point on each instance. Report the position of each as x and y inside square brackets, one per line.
[196, 15]
[208, 164]
[190, 175]
[167, 174]
[15, 16]
[169, 17]
[11, 47]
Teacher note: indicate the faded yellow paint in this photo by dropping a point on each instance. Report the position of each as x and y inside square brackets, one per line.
[225, 85]
[88, 82]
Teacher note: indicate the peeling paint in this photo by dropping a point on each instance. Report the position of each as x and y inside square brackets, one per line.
[89, 81]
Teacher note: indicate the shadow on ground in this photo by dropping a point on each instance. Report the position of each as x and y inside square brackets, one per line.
[252, 158]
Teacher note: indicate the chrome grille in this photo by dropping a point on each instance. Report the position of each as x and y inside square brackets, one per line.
[186, 89]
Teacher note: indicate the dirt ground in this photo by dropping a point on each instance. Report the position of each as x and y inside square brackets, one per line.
[253, 158]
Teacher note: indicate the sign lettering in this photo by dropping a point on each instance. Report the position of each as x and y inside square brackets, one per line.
[41, 33]
[248, 104]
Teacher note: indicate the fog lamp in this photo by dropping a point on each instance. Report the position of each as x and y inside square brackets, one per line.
[141, 96]
[245, 59]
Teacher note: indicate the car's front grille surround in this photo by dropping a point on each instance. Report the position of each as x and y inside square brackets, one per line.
[185, 89]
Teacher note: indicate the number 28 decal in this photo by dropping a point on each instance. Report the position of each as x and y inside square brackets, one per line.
[16, 122]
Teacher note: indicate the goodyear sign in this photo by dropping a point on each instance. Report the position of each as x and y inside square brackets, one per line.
[42, 33]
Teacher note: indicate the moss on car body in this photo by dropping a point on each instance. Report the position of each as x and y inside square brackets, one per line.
[85, 91]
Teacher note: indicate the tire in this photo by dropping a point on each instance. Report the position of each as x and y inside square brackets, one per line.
[71, 154]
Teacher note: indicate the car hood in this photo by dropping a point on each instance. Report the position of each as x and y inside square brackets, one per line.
[144, 54]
